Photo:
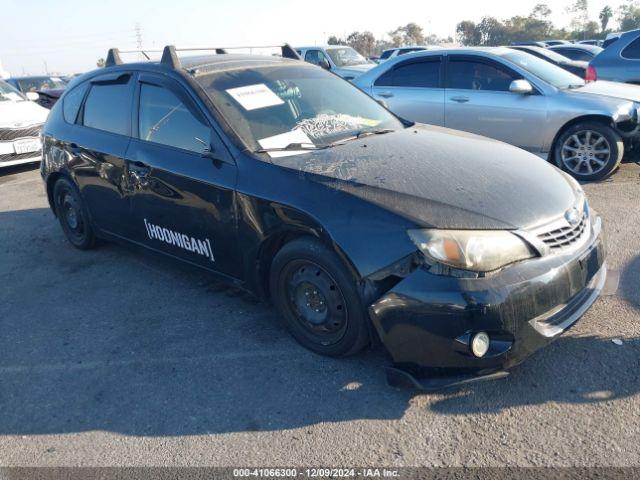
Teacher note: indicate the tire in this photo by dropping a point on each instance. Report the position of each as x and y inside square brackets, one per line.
[580, 151]
[318, 299]
[72, 215]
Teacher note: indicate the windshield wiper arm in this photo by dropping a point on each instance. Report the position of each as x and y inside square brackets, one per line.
[290, 147]
[360, 134]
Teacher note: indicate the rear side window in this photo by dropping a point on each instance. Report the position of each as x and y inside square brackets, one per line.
[72, 101]
[412, 74]
[165, 119]
[386, 54]
[472, 75]
[632, 50]
[108, 107]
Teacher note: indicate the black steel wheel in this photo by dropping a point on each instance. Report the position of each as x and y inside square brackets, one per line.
[72, 215]
[318, 299]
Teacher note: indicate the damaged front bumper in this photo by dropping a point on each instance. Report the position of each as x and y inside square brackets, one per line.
[426, 321]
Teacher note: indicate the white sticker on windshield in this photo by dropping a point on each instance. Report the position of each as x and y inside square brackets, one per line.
[284, 139]
[255, 96]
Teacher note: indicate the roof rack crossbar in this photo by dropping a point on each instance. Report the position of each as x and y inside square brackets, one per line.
[170, 53]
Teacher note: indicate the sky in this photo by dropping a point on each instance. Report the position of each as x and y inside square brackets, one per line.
[69, 36]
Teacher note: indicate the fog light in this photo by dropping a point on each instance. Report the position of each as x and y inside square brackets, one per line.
[480, 344]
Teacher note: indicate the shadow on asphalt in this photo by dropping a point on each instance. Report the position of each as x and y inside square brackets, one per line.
[92, 341]
[629, 288]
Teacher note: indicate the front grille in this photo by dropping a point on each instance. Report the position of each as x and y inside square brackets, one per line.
[565, 236]
[16, 133]
[10, 157]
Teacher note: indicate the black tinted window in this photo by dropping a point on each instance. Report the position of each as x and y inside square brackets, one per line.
[314, 56]
[632, 50]
[165, 119]
[386, 54]
[413, 74]
[72, 101]
[471, 75]
[108, 107]
[575, 54]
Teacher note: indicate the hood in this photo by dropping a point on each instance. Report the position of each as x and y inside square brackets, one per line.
[622, 91]
[443, 178]
[354, 70]
[24, 113]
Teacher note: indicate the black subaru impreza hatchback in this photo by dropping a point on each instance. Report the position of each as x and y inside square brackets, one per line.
[456, 252]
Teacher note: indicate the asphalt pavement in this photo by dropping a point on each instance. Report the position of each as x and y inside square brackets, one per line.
[116, 357]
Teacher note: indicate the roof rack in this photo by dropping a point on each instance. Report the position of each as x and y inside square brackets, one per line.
[170, 55]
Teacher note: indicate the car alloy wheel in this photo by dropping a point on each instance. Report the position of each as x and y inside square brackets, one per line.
[585, 152]
[316, 302]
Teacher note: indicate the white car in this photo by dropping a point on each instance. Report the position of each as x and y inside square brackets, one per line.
[339, 59]
[20, 124]
[396, 52]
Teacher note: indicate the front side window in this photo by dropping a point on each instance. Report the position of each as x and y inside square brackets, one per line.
[165, 119]
[108, 107]
[346, 57]
[475, 75]
[274, 106]
[315, 57]
[425, 74]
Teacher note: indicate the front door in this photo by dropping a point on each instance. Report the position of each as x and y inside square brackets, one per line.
[181, 179]
[478, 100]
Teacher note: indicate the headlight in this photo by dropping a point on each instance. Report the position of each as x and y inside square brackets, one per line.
[475, 250]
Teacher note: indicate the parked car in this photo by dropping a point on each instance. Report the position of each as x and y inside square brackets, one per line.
[581, 53]
[550, 43]
[289, 182]
[620, 61]
[597, 43]
[515, 97]
[532, 44]
[395, 52]
[339, 59]
[575, 67]
[43, 89]
[20, 124]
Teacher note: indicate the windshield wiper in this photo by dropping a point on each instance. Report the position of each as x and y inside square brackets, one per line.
[290, 147]
[360, 134]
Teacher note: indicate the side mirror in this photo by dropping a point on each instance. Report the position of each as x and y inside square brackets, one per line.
[523, 87]
[324, 63]
[33, 96]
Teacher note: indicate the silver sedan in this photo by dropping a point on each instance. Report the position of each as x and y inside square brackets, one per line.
[517, 98]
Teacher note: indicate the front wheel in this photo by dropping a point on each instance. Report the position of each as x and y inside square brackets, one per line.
[589, 151]
[318, 299]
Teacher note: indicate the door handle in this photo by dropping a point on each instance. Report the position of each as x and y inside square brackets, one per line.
[460, 99]
[385, 94]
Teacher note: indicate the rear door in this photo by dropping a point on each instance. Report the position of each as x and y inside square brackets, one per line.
[478, 100]
[413, 89]
[101, 136]
[182, 178]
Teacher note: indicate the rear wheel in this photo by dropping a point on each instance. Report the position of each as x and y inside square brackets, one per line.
[589, 151]
[318, 299]
[72, 215]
